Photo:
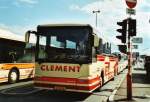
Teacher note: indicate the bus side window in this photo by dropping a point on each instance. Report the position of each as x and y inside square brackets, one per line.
[99, 49]
[105, 48]
[42, 43]
[94, 54]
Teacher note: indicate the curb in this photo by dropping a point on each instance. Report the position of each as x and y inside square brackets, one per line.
[111, 97]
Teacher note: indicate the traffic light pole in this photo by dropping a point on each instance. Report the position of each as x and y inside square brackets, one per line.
[129, 74]
[128, 29]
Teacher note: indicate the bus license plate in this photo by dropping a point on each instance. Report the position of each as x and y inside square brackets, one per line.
[59, 88]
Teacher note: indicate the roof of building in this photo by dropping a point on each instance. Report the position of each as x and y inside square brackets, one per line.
[9, 35]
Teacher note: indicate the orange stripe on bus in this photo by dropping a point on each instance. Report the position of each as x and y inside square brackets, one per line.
[3, 78]
[18, 65]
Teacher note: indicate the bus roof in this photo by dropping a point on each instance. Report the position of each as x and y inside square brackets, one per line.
[60, 25]
[11, 36]
[95, 30]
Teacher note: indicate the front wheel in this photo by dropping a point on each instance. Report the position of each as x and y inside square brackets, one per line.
[13, 76]
[148, 74]
[102, 80]
[101, 83]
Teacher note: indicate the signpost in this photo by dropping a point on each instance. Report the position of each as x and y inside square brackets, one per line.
[137, 40]
[134, 46]
[130, 11]
[131, 4]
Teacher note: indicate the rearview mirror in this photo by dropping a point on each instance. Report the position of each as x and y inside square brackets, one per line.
[27, 36]
[96, 40]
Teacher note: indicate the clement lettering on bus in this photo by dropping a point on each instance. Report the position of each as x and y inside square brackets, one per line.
[60, 68]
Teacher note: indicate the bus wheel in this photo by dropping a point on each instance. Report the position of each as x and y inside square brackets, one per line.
[116, 72]
[13, 76]
[101, 82]
[102, 79]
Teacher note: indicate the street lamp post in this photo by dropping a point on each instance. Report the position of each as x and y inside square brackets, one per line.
[98, 11]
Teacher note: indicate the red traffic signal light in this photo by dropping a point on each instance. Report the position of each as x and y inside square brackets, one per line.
[132, 27]
[123, 31]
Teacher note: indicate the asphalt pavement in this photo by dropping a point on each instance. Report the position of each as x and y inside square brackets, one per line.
[25, 92]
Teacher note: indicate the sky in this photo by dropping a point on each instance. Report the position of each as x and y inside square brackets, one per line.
[18, 16]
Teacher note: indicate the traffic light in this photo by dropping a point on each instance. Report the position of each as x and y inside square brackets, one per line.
[123, 31]
[132, 27]
[123, 48]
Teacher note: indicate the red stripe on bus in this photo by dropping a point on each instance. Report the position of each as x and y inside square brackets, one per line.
[86, 88]
[88, 81]
[107, 62]
[112, 59]
[100, 58]
[67, 80]
[55, 79]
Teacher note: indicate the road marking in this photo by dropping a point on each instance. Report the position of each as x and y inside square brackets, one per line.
[148, 96]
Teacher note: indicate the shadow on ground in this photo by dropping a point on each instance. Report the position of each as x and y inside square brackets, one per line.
[142, 78]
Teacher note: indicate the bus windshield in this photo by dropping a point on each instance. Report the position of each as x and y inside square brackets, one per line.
[64, 45]
[29, 54]
[27, 58]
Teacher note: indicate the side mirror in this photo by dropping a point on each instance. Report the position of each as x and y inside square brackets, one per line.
[95, 40]
[27, 36]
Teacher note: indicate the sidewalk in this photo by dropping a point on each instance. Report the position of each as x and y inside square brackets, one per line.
[140, 88]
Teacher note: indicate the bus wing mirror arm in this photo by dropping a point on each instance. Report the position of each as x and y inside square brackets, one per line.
[27, 35]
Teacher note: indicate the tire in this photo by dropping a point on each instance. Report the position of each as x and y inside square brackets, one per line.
[115, 72]
[148, 74]
[113, 78]
[102, 83]
[102, 76]
[13, 76]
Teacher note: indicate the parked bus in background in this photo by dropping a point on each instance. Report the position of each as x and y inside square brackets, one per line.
[16, 62]
[72, 58]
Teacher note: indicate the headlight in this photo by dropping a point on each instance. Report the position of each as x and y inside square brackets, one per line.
[1, 66]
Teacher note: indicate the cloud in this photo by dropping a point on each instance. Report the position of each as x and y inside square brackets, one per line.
[87, 8]
[5, 33]
[112, 11]
[12, 32]
[74, 7]
[28, 1]
[17, 29]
